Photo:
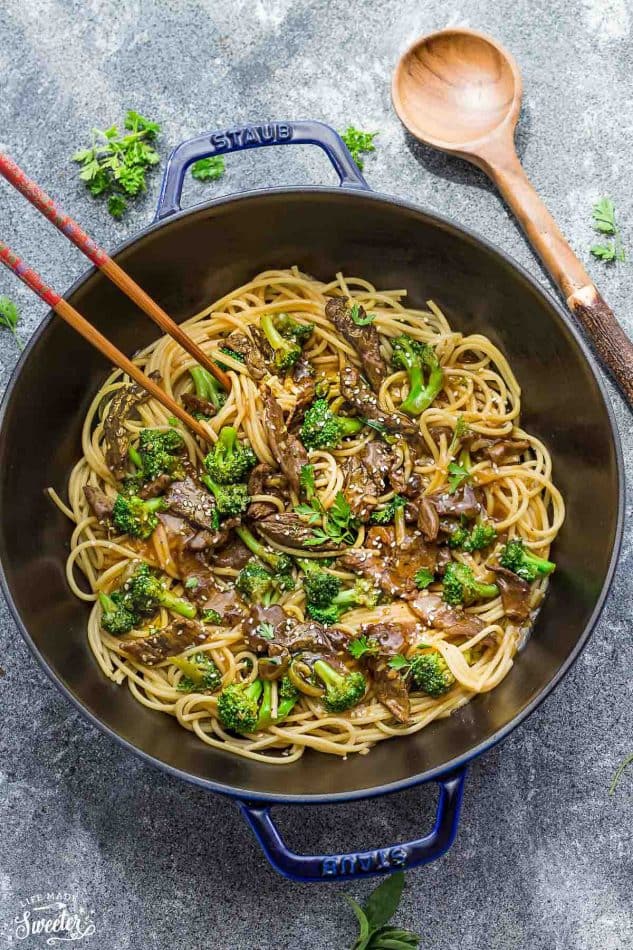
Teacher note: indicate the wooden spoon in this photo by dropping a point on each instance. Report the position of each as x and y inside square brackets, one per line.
[459, 91]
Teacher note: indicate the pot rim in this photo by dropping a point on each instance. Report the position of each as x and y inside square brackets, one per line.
[460, 762]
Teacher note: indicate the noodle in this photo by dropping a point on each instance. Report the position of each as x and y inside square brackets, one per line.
[478, 385]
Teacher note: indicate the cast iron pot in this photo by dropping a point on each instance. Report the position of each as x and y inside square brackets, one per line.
[187, 259]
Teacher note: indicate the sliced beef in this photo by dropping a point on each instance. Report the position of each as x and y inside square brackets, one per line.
[191, 566]
[391, 566]
[501, 451]
[364, 479]
[304, 387]
[233, 554]
[263, 480]
[170, 641]
[117, 438]
[358, 394]
[156, 487]
[196, 404]
[433, 612]
[428, 518]
[253, 357]
[99, 502]
[389, 685]
[409, 487]
[364, 339]
[228, 604]
[286, 447]
[465, 502]
[515, 594]
[188, 500]
[289, 530]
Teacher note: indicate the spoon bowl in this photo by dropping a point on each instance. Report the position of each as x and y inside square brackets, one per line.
[456, 87]
[459, 91]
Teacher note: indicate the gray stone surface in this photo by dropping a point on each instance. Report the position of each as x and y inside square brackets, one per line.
[543, 859]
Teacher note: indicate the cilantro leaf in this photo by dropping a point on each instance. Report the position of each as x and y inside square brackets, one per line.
[361, 320]
[603, 214]
[306, 481]
[362, 646]
[208, 169]
[9, 318]
[358, 142]
[398, 662]
[266, 630]
[458, 475]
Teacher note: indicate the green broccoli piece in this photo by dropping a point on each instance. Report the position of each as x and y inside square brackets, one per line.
[259, 586]
[287, 697]
[116, 617]
[326, 602]
[144, 593]
[230, 460]
[430, 674]
[131, 515]
[458, 536]
[324, 429]
[208, 387]
[320, 586]
[238, 709]
[387, 514]
[292, 330]
[280, 563]
[461, 587]
[229, 499]
[515, 557]
[212, 617]
[342, 690]
[418, 360]
[201, 675]
[286, 351]
[158, 453]
[482, 536]
[423, 578]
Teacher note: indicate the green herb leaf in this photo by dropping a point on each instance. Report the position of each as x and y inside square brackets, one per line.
[306, 481]
[358, 319]
[192, 583]
[172, 421]
[9, 318]
[390, 938]
[603, 215]
[398, 662]
[363, 924]
[383, 902]
[266, 630]
[358, 142]
[423, 578]
[362, 646]
[458, 475]
[619, 772]
[208, 169]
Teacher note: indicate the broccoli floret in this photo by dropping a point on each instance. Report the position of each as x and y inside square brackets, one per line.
[208, 387]
[528, 566]
[229, 499]
[259, 586]
[287, 696]
[423, 370]
[211, 616]
[430, 674]
[324, 429]
[131, 515]
[201, 675]
[325, 601]
[423, 578]
[461, 586]
[388, 513]
[144, 593]
[238, 709]
[342, 690]
[286, 351]
[280, 563]
[292, 330]
[158, 453]
[458, 537]
[116, 617]
[230, 460]
[482, 536]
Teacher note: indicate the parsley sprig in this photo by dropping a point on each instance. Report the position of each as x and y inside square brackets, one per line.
[9, 318]
[459, 473]
[604, 221]
[209, 169]
[363, 646]
[337, 524]
[374, 932]
[116, 165]
[358, 142]
[361, 319]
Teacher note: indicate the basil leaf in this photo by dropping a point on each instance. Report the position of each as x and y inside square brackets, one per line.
[383, 902]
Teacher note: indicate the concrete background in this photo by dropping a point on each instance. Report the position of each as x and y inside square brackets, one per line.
[543, 859]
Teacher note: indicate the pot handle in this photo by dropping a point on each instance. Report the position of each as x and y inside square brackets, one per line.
[301, 132]
[342, 867]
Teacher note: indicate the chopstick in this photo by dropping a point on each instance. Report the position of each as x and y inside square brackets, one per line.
[68, 313]
[45, 204]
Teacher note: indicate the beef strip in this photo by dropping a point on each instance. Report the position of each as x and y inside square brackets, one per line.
[259, 483]
[194, 403]
[117, 438]
[389, 685]
[191, 565]
[466, 502]
[515, 594]
[289, 530]
[428, 518]
[364, 339]
[364, 479]
[500, 451]
[253, 358]
[433, 612]
[408, 487]
[228, 604]
[288, 637]
[233, 553]
[304, 385]
[286, 447]
[358, 394]
[99, 502]
[156, 487]
[188, 500]
[170, 641]
[391, 567]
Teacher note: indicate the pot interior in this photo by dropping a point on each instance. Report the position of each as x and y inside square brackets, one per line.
[185, 264]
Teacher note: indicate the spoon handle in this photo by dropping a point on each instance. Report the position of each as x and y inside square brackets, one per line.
[609, 340]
